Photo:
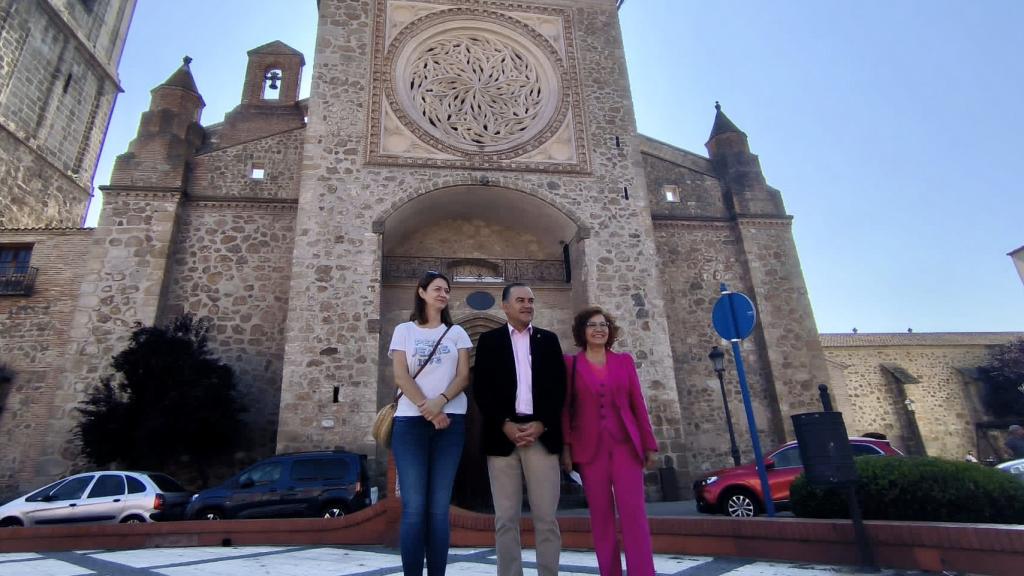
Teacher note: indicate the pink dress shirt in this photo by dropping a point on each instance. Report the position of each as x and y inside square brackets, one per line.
[524, 369]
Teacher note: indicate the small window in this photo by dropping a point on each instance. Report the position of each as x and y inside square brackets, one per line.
[15, 259]
[135, 486]
[107, 485]
[272, 84]
[258, 172]
[39, 494]
[671, 192]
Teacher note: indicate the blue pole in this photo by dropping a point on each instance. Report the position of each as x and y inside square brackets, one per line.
[766, 489]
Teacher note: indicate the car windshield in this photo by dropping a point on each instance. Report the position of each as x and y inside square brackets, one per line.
[166, 483]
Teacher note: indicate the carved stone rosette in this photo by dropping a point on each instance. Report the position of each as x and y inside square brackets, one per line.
[489, 86]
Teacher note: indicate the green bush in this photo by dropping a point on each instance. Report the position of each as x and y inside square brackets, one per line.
[925, 489]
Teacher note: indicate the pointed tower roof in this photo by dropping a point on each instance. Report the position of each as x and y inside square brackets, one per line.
[182, 78]
[278, 47]
[722, 123]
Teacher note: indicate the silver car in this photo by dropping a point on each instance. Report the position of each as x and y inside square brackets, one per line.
[106, 497]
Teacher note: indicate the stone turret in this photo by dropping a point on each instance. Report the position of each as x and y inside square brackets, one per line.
[740, 170]
[169, 134]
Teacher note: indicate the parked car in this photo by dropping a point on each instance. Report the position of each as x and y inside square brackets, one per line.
[303, 484]
[106, 497]
[1014, 468]
[737, 491]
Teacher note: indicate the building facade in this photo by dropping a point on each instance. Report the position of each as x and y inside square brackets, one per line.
[492, 140]
[58, 83]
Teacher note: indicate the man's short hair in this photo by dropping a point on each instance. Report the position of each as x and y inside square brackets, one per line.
[508, 290]
[1014, 428]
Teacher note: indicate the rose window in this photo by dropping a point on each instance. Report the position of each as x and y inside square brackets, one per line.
[476, 87]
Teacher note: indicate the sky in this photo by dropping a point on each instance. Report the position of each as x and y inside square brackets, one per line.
[890, 128]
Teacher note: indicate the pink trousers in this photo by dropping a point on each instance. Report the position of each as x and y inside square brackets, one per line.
[614, 479]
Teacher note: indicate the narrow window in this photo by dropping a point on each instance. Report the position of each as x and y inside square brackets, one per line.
[272, 84]
[671, 192]
[67, 82]
[259, 172]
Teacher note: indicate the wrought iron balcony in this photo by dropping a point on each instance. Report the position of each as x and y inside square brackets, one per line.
[475, 270]
[17, 280]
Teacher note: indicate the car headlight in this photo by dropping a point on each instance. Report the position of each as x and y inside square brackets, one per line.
[709, 480]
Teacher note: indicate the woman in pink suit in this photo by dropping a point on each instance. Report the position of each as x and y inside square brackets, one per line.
[608, 436]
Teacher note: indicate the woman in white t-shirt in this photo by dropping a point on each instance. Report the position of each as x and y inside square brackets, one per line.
[430, 423]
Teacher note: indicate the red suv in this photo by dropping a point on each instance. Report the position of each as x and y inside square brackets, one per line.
[737, 491]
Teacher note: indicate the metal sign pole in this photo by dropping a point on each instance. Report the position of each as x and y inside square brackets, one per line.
[733, 318]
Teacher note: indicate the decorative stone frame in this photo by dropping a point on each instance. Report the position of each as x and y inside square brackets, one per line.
[563, 116]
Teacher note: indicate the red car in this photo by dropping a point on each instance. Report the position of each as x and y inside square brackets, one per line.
[737, 491]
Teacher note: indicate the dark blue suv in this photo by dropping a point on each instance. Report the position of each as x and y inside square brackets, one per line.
[328, 484]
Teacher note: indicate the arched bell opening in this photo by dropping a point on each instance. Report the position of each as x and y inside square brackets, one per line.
[482, 238]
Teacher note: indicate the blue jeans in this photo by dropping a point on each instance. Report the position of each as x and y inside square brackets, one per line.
[427, 460]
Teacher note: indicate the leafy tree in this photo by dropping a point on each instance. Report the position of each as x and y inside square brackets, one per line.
[1003, 376]
[170, 404]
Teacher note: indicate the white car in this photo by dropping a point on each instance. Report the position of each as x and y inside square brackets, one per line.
[106, 497]
[1014, 468]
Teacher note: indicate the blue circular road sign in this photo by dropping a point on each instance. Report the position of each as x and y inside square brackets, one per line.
[733, 316]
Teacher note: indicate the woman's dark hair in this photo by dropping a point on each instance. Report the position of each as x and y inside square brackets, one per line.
[419, 306]
[579, 326]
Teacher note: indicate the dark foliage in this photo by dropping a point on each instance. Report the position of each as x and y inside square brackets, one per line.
[1003, 376]
[925, 489]
[170, 405]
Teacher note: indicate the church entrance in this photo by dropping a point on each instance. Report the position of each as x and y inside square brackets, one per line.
[481, 238]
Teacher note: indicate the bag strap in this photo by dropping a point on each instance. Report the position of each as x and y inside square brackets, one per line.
[572, 386]
[398, 394]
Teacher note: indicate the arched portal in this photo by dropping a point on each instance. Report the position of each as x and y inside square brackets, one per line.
[482, 237]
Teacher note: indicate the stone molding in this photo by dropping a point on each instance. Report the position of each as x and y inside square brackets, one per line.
[246, 204]
[399, 135]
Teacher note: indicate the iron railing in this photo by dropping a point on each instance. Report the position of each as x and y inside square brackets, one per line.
[17, 280]
[475, 270]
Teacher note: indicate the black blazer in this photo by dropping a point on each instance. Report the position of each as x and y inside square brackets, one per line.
[494, 387]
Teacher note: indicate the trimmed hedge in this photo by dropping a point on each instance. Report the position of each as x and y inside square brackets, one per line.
[925, 489]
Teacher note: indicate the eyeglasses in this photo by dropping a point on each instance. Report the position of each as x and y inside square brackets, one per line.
[604, 325]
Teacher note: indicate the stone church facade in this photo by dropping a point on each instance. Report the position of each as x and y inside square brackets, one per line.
[493, 140]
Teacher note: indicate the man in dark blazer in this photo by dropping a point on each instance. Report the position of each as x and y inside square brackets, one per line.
[519, 386]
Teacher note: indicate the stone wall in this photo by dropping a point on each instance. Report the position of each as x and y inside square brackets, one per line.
[231, 264]
[694, 258]
[121, 285]
[701, 192]
[475, 238]
[33, 343]
[944, 400]
[227, 172]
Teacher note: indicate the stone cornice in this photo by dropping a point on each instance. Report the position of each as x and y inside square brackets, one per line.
[247, 203]
[785, 220]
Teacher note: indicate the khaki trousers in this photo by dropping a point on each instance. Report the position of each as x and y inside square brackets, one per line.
[543, 485]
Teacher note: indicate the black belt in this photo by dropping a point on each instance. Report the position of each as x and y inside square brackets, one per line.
[522, 418]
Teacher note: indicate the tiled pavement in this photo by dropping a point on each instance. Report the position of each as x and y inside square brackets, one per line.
[361, 561]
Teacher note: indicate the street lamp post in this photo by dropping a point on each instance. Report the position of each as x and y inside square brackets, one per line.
[717, 358]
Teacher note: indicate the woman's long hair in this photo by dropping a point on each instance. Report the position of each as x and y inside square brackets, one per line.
[419, 306]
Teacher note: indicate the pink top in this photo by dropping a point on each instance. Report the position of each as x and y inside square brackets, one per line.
[524, 370]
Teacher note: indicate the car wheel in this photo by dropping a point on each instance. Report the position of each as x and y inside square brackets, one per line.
[210, 515]
[11, 523]
[740, 504]
[133, 519]
[333, 511]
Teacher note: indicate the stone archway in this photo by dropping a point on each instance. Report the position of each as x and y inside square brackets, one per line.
[482, 237]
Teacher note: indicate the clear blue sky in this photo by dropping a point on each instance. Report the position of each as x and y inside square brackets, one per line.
[891, 129]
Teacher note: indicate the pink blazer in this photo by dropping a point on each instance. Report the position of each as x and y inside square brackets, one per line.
[581, 415]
